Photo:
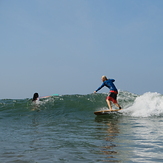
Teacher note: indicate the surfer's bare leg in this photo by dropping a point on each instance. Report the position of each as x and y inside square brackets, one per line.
[118, 105]
[109, 104]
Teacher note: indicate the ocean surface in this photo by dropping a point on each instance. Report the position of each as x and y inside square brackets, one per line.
[64, 129]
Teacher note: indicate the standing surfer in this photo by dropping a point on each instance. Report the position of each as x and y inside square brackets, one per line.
[113, 91]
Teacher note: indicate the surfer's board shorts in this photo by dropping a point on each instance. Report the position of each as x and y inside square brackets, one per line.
[112, 96]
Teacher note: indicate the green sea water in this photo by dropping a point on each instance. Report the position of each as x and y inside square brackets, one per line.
[64, 129]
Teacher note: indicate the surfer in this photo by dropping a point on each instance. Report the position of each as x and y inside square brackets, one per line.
[113, 91]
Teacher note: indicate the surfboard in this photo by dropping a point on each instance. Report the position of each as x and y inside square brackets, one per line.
[102, 112]
[55, 94]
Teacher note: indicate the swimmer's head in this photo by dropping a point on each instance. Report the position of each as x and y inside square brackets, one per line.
[35, 96]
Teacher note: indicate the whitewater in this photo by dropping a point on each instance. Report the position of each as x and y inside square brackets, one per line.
[64, 129]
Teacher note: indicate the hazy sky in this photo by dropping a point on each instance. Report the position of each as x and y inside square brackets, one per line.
[65, 46]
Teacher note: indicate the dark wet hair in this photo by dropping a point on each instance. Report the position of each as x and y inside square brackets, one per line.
[35, 96]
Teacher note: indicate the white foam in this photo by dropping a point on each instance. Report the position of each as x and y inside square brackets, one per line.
[103, 108]
[148, 104]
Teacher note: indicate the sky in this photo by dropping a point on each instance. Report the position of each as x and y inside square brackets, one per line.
[65, 46]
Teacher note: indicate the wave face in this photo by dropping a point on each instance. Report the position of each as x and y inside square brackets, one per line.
[148, 104]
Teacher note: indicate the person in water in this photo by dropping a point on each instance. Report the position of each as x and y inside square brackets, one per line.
[113, 91]
[35, 97]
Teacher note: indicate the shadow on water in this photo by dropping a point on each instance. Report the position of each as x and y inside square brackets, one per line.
[108, 131]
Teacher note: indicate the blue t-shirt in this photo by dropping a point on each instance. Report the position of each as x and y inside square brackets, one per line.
[108, 83]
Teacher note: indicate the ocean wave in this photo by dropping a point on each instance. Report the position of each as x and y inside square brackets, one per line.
[148, 104]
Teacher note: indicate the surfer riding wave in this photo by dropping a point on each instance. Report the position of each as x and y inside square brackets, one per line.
[112, 97]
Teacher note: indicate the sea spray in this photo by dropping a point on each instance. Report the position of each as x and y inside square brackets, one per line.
[148, 104]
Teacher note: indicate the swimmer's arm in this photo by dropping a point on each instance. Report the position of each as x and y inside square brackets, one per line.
[45, 96]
